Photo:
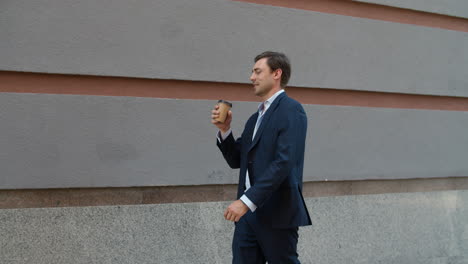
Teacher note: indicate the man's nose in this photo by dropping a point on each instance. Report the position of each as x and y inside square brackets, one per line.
[252, 77]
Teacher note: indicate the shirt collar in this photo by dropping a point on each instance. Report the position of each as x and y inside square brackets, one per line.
[269, 101]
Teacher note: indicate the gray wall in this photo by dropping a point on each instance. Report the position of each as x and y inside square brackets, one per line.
[458, 8]
[215, 40]
[51, 141]
[65, 141]
[405, 228]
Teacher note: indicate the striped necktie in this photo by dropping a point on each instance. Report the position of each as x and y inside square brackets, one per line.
[259, 119]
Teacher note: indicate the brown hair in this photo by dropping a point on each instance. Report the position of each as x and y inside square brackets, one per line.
[277, 60]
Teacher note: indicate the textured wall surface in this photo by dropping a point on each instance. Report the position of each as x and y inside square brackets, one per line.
[215, 40]
[457, 8]
[389, 228]
[51, 141]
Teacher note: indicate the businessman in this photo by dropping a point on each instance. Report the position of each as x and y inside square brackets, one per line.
[270, 155]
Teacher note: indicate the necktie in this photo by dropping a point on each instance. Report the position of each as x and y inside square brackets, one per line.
[259, 121]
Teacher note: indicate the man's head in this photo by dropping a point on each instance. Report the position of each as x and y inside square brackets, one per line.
[270, 72]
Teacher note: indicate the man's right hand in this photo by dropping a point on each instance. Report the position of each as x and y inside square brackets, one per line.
[223, 127]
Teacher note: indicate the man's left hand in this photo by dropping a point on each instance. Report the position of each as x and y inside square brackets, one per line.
[235, 211]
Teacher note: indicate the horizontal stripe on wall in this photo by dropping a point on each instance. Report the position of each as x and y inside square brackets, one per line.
[18, 82]
[373, 11]
[458, 8]
[209, 193]
[86, 141]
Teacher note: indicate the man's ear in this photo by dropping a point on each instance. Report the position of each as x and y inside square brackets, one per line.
[277, 74]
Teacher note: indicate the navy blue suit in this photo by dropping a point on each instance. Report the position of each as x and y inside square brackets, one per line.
[275, 161]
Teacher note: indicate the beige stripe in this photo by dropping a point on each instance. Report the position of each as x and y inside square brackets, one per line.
[16, 82]
[210, 193]
[372, 11]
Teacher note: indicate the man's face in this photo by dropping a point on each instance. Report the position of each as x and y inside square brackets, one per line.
[262, 78]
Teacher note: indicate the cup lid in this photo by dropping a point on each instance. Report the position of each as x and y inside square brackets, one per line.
[225, 102]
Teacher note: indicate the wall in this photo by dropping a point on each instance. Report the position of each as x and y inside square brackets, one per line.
[388, 228]
[100, 141]
[107, 154]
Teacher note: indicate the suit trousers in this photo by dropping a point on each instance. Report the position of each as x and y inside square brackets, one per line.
[257, 243]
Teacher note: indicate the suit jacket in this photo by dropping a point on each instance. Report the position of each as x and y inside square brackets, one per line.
[275, 160]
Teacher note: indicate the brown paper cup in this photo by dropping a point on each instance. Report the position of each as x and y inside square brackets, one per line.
[224, 107]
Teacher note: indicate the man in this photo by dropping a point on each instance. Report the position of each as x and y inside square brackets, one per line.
[270, 155]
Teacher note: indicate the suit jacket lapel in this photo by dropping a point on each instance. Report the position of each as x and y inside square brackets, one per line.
[250, 127]
[266, 117]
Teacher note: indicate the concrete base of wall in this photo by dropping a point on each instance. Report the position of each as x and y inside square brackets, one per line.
[427, 227]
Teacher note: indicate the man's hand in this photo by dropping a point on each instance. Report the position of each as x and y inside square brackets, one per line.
[223, 127]
[235, 211]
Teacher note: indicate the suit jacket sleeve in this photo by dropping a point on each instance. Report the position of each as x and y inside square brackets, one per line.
[231, 150]
[289, 153]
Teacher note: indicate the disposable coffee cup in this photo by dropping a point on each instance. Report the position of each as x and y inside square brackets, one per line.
[224, 107]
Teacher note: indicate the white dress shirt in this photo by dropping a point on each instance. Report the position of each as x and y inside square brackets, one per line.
[265, 105]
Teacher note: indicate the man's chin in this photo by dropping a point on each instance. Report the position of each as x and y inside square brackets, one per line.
[256, 91]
